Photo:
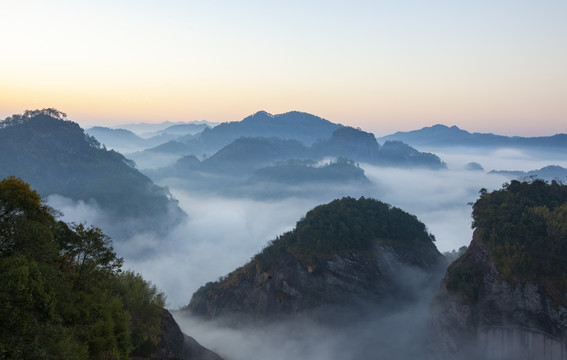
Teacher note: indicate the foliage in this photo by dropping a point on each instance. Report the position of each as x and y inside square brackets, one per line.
[524, 225]
[351, 225]
[60, 286]
[465, 279]
[144, 303]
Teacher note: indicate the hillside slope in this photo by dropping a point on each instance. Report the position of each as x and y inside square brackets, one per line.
[56, 157]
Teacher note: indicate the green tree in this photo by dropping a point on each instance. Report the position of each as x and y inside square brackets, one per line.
[62, 294]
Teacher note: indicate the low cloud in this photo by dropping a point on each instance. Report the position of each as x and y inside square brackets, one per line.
[223, 233]
[389, 329]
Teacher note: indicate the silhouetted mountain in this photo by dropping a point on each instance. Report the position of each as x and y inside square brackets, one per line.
[273, 167]
[551, 172]
[151, 129]
[340, 253]
[247, 154]
[505, 297]
[349, 143]
[443, 136]
[180, 129]
[294, 172]
[126, 141]
[474, 166]
[57, 157]
[303, 127]
[170, 147]
[399, 154]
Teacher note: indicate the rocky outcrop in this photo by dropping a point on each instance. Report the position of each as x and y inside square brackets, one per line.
[173, 344]
[492, 318]
[295, 284]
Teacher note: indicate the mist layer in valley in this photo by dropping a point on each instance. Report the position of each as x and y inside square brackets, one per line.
[369, 330]
[230, 221]
[222, 233]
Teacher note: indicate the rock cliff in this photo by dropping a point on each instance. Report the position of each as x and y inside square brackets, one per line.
[508, 320]
[174, 344]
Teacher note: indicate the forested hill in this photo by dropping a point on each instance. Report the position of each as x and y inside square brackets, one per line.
[57, 157]
[509, 287]
[63, 294]
[338, 253]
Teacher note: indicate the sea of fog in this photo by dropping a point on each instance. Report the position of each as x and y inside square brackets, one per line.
[221, 234]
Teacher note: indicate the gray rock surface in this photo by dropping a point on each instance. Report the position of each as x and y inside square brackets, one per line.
[295, 285]
[510, 320]
[173, 344]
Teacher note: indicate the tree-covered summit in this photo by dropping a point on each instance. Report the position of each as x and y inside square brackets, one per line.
[338, 254]
[348, 224]
[524, 226]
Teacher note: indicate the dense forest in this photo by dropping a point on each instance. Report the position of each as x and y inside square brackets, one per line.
[525, 226]
[63, 294]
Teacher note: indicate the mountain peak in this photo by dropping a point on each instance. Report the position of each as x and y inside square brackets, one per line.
[259, 114]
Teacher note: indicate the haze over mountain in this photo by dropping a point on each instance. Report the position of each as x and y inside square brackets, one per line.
[254, 189]
[303, 127]
[146, 130]
[181, 129]
[250, 166]
[56, 157]
[549, 173]
[441, 136]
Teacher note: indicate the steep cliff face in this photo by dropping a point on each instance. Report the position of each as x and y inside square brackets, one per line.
[504, 320]
[294, 285]
[333, 257]
[503, 299]
[173, 344]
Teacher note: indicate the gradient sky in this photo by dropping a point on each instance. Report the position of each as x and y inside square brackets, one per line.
[487, 66]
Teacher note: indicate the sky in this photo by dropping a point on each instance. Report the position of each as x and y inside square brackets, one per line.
[486, 66]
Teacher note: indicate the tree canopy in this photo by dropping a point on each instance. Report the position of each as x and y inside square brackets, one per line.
[63, 294]
[349, 224]
[524, 225]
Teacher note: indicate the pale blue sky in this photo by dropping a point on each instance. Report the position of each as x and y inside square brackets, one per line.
[494, 66]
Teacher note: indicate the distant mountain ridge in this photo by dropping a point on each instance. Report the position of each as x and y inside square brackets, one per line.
[125, 141]
[296, 125]
[260, 166]
[549, 173]
[445, 136]
[143, 129]
[305, 136]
